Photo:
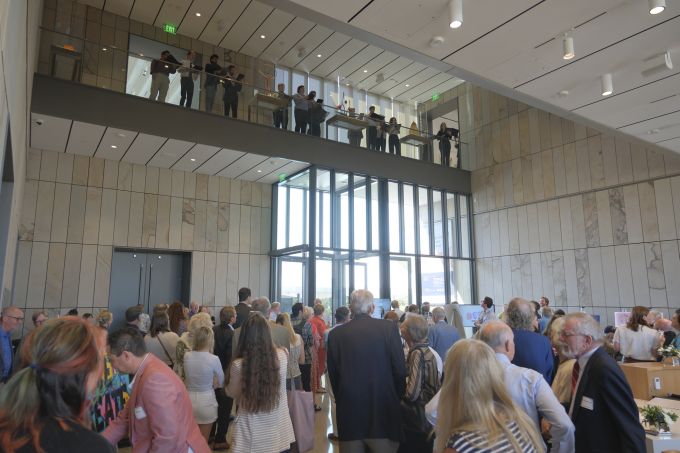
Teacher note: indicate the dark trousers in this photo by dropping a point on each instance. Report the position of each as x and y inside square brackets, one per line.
[315, 129]
[445, 150]
[224, 404]
[281, 118]
[231, 105]
[372, 137]
[301, 117]
[395, 145]
[186, 91]
[306, 371]
[458, 163]
[381, 143]
[416, 443]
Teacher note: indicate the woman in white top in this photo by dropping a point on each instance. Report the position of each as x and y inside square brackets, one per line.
[203, 373]
[257, 381]
[297, 353]
[161, 342]
[636, 341]
[186, 341]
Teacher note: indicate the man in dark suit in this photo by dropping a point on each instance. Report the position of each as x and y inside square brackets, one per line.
[603, 409]
[224, 334]
[243, 306]
[368, 376]
[533, 350]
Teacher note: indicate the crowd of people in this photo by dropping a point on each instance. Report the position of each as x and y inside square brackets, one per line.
[308, 110]
[531, 380]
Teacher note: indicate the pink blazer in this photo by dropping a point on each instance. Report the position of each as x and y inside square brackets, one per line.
[158, 416]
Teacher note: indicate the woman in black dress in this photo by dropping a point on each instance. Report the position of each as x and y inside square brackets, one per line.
[445, 135]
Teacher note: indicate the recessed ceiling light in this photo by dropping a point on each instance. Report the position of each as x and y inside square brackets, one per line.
[347, 84]
[318, 55]
[104, 49]
[407, 85]
[262, 36]
[192, 159]
[259, 171]
[121, 135]
[657, 6]
[365, 70]
[114, 146]
[198, 14]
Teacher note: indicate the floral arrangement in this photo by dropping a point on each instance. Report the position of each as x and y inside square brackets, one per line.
[657, 417]
[669, 351]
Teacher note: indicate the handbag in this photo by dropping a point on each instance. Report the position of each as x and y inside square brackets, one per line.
[301, 409]
[413, 413]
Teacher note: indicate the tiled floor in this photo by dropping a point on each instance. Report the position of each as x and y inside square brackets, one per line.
[322, 425]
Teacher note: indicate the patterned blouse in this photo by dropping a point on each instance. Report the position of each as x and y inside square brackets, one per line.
[110, 397]
[478, 442]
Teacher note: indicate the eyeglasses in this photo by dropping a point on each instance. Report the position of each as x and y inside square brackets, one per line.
[572, 334]
[15, 317]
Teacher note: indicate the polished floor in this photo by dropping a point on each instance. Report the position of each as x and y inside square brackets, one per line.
[322, 424]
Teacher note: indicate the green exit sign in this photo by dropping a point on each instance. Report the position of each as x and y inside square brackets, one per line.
[435, 97]
[169, 28]
[282, 177]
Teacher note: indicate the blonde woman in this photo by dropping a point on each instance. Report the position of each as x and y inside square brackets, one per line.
[297, 354]
[104, 319]
[186, 341]
[203, 373]
[476, 412]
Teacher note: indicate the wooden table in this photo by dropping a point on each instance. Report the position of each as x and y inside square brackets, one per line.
[267, 102]
[650, 379]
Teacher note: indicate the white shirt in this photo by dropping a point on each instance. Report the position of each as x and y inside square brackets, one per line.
[532, 393]
[582, 362]
[637, 345]
[203, 370]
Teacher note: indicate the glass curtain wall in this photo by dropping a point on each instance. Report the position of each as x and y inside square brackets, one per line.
[337, 231]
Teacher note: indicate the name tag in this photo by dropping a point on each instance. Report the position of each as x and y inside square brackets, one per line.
[139, 412]
[587, 403]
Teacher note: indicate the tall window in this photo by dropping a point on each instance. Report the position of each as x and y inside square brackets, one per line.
[402, 242]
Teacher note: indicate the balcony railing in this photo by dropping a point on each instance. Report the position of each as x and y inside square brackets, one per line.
[68, 57]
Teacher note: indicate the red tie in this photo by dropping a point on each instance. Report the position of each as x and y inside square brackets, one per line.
[574, 377]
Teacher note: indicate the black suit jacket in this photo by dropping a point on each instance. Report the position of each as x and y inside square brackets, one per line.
[242, 313]
[368, 373]
[223, 338]
[612, 426]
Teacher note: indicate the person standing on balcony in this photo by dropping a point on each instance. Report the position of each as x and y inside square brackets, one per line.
[212, 70]
[372, 130]
[188, 74]
[232, 86]
[301, 110]
[281, 114]
[160, 75]
[445, 135]
[393, 131]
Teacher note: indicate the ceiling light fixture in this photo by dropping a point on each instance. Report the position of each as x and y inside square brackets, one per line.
[114, 146]
[365, 70]
[657, 64]
[318, 55]
[262, 36]
[192, 159]
[656, 6]
[607, 85]
[567, 47]
[104, 49]
[407, 85]
[455, 13]
[259, 171]
[198, 14]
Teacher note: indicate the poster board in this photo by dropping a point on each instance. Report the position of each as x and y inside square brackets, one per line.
[621, 318]
[470, 313]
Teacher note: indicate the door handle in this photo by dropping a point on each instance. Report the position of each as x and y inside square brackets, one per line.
[148, 297]
[139, 284]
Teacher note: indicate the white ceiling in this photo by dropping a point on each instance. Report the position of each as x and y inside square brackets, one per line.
[518, 44]
[75, 137]
[289, 41]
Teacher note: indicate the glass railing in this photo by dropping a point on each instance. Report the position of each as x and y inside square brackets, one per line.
[167, 80]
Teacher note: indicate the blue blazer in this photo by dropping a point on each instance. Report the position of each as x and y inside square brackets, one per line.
[534, 351]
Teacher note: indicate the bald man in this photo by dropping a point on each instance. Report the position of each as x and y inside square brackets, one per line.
[527, 388]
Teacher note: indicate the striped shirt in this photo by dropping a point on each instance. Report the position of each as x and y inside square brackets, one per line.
[477, 442]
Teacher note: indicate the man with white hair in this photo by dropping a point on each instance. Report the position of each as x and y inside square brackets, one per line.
[666, 327]
[274, 311]
[603, 409]
[368, 374]
[441, 335]
[280, 334]
[533, 349]
[10, 320]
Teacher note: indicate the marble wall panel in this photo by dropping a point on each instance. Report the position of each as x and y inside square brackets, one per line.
[102, 277]
[638, 157]
[578, 226]
[611, 175]
[533, 228]
[610, 291]
[151, 180]
[566, 223]
[235, 191]
[604, 220]
[650, 224]
[188, 221]
[559, 171]
[675, 193]
[244, 227]
[88, 266]
[547, 276]
[136, 219]
[197, 277]
[95, 176]
[27, 224]
[64, 168]
[655, 275]
[570, 277]
[596, 161]
[163, 222]
[124, 176]
[175, 232]
[71, 279]
[664, 209]
[624, 276]
[655, 163]
[209, 278]
[149, 220]
[583, 165]
[81, 167]
[243, 269]
[221, 269]
[43, 213]
[92, 215]
[624, 162]
[513, 233]
[638, 269]
[107, 217]
[537, 176]
[165, 181]
[37, 274]
[671, 267]
[24, 249]
[48, 167]
[110, 180]
[617, 210]
[211, 226]
[200, 225]
[543, 227]
[590, 216]
[62, 202]
[177, 184]
[559, 278]
[571, 168]
[122, 220]
[554, 222]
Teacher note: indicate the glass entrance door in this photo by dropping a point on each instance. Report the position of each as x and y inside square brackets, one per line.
[292, 283]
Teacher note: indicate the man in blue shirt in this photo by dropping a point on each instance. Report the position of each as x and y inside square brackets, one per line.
[10, 320]
[441, 335]
[533, 350]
